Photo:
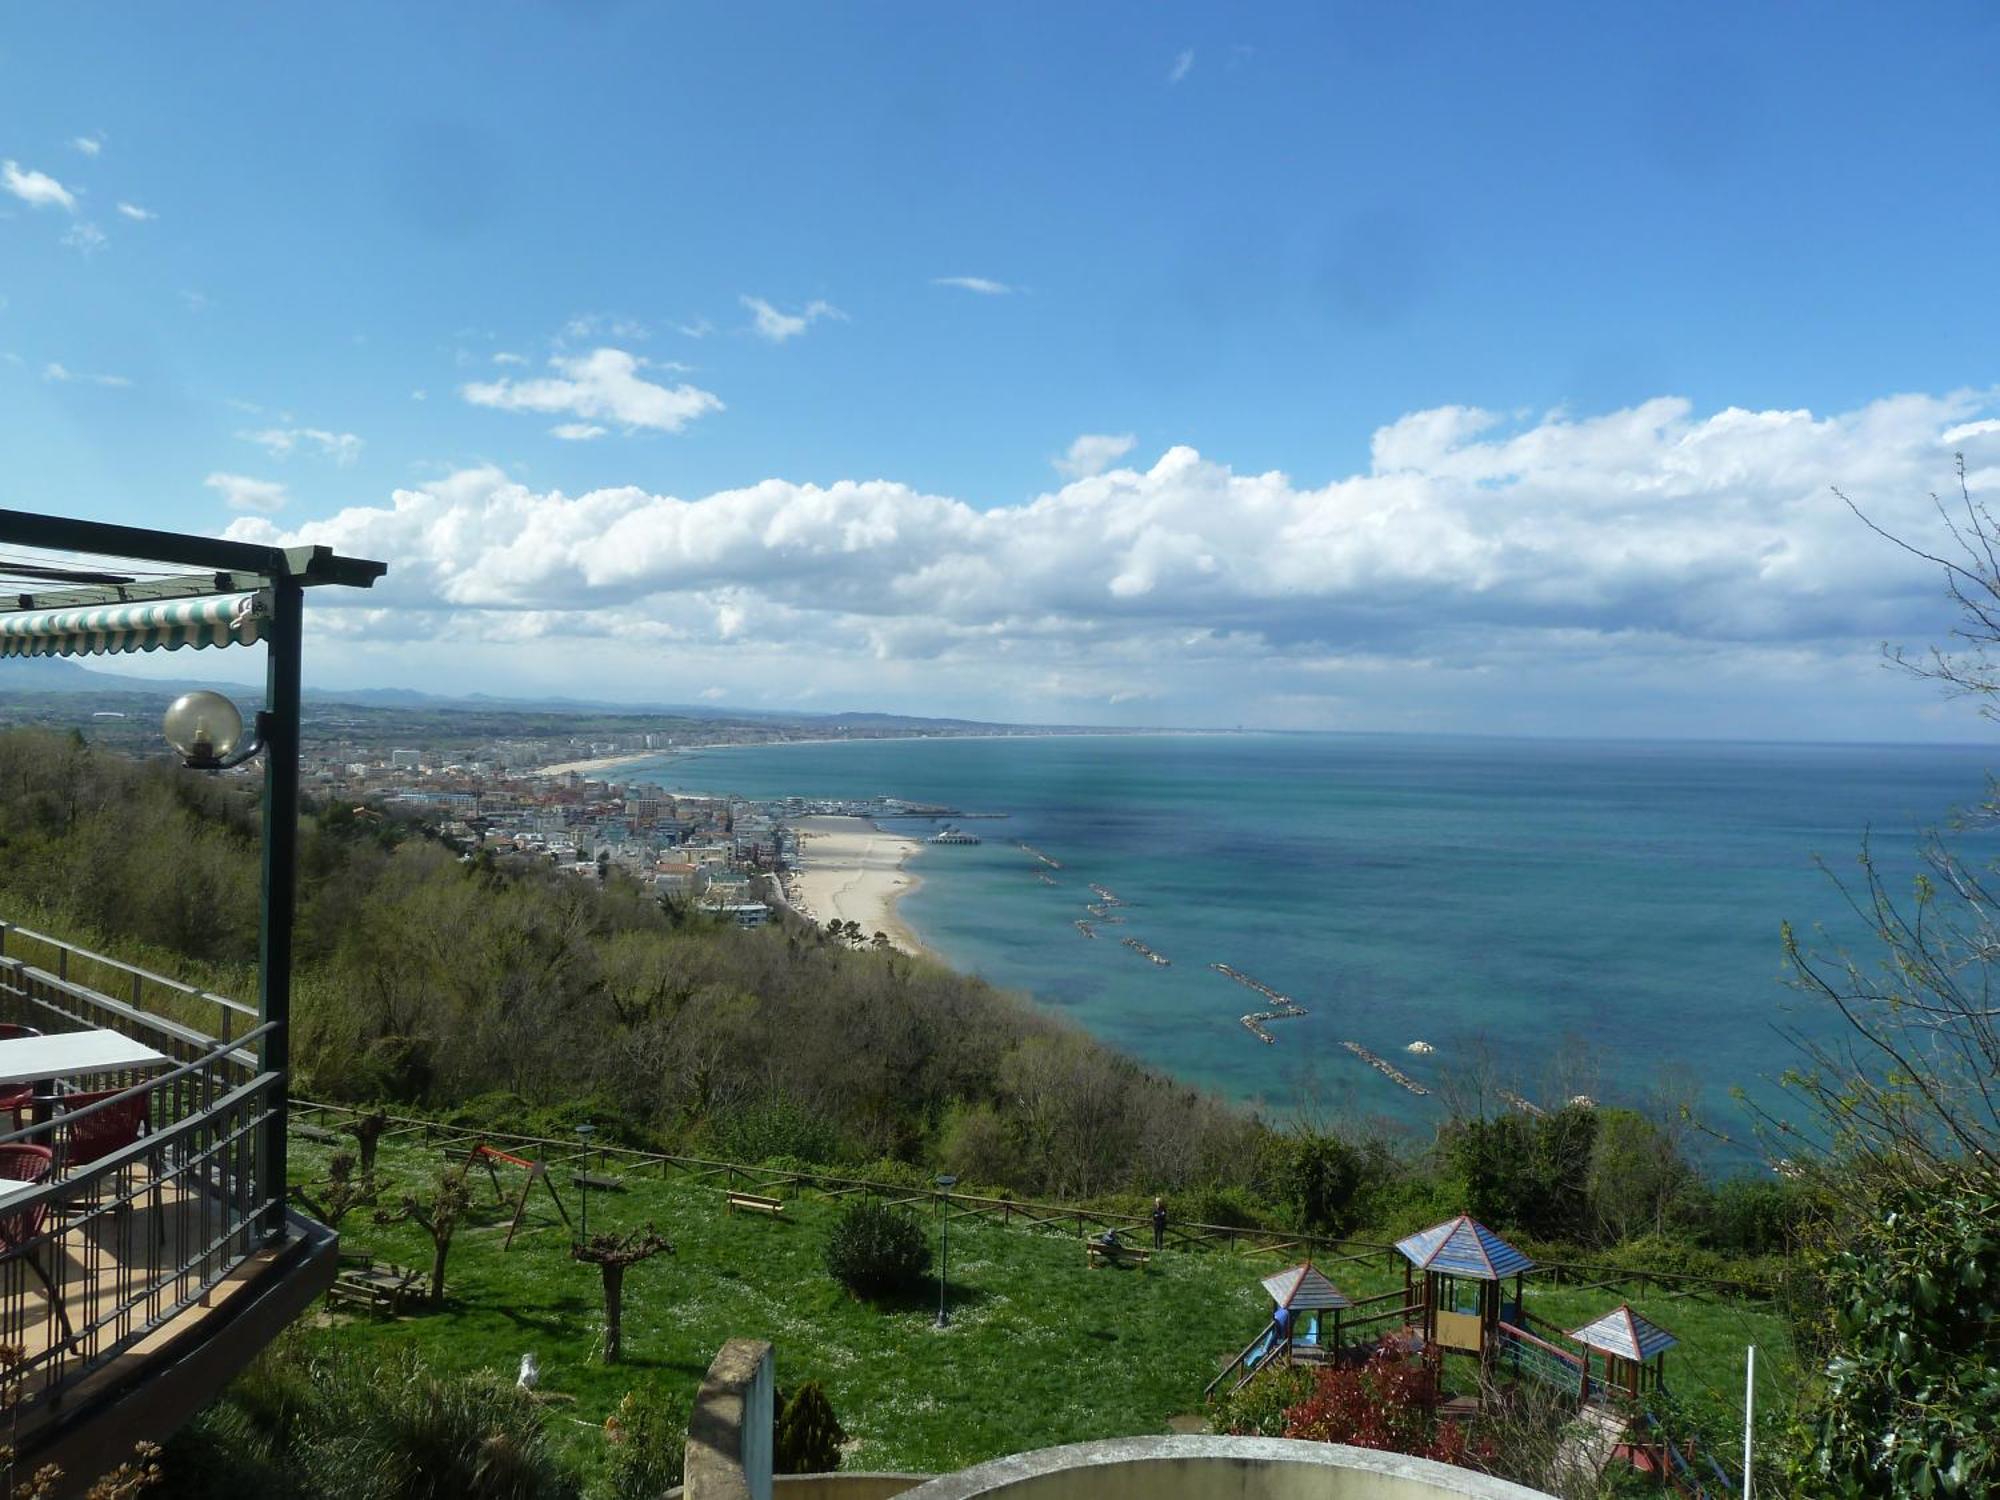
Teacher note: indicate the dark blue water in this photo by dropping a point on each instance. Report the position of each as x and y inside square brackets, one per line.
[1529, 898]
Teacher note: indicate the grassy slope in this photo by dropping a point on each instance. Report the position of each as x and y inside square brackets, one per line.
[1042, 1351]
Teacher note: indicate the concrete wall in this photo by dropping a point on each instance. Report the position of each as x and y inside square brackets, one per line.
[729, 1431]
[1227, 1468]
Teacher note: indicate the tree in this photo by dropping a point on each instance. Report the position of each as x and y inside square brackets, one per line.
[612, 1254]
[808, 1435]
[438, 1216]
[367, 1131]
[341, 1194]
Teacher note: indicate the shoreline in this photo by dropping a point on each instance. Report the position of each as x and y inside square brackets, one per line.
[851, 870]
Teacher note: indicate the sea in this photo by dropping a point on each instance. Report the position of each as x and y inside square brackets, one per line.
[1546, 915]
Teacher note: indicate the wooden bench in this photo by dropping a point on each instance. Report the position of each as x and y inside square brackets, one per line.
[755, 1203]
[362, 1283]
[1097, 1253]
[596, 1180]
[316, 1133]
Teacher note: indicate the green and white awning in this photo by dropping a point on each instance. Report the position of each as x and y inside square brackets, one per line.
[163, 625]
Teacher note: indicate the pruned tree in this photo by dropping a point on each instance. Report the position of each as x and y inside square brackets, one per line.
[612, 1254]
[438, 1216]
[341, 1193]
[367, 1131]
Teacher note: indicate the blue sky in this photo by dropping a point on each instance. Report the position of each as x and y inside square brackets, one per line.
[273, 269]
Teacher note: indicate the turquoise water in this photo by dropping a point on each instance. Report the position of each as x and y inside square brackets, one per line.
[1526, 896]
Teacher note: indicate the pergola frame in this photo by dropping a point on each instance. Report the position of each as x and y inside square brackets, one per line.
[286, 572]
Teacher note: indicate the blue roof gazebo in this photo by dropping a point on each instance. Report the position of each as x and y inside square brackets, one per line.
[1634, 1349]
[1460, 1250]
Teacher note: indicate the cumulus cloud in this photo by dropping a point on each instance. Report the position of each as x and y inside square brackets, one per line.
[768, 323]
[1093, 453]
[578, 432]
[282, 442]
[603, 385]
[137, 214]
[985, 286]
[240, 492]
[1628, 551]
[1183, 65]
[36, 189]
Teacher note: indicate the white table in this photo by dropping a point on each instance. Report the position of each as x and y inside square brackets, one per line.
[70, 1054]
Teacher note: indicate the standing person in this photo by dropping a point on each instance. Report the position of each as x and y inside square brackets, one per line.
[1159, 1223]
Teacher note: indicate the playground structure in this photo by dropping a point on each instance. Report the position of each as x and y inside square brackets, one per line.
[1453, 1301]
[537, 1171]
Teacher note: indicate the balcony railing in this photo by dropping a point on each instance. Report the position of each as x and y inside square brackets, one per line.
[107, 1262]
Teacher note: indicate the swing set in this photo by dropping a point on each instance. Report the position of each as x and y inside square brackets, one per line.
[492, 1158]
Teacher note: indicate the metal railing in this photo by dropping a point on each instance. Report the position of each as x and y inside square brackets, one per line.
[105, 1255]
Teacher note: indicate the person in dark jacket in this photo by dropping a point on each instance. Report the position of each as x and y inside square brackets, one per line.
[1159, 1223]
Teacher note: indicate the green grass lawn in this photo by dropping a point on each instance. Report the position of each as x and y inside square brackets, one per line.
[1040, 1351]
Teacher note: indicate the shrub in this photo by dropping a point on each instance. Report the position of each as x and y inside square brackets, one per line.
[1258, 1410]
[648, 1438]
[877, 1251]
[808, 1435]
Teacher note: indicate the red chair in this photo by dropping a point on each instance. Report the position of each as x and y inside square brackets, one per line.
[19, 1228]
[16, 1097]
[102, 1132]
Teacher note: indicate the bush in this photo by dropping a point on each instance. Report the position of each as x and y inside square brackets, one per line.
[1258, 1410]
[877, 1251]
[648, 1438]
[808, 1435]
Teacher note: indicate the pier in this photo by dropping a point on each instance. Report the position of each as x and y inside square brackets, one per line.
[1388, 1070]
[1140, 948]
[1285, 1007]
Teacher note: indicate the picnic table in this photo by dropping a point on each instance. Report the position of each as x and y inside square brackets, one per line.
[1100, 1252]
[364, 1283]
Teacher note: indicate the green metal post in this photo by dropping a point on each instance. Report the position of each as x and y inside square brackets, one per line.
[280, 876]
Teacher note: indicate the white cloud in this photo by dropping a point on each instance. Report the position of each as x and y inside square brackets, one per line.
[1478, 567]
[1093, 453]
[85, 238]
[985, 286]
[504, 358]
[57, 374]
[604, 384]
[769, 323]
[89, 145]
[240, 492]
[134, 212]
[36, 189]
[282, 442]
[578, 432]
[700, 328]
[1183, 65]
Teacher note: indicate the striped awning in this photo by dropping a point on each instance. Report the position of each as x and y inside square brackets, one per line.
[161, 625]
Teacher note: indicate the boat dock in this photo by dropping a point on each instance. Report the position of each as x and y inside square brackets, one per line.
[1140, 948]
[1388, 1070]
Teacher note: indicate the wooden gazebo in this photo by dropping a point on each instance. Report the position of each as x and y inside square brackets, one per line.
[1458, 1293]
[1634, 1351]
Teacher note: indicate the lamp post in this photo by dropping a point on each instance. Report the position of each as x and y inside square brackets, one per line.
[584, 1132]
[945, 1183]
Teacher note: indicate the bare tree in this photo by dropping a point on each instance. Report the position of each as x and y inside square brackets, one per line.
[438, 1217]
[611, 1254]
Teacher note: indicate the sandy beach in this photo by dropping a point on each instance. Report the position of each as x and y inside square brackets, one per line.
[602, 763]
[851, 871]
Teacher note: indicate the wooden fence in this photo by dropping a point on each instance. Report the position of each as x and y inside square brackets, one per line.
[1323, 1251]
